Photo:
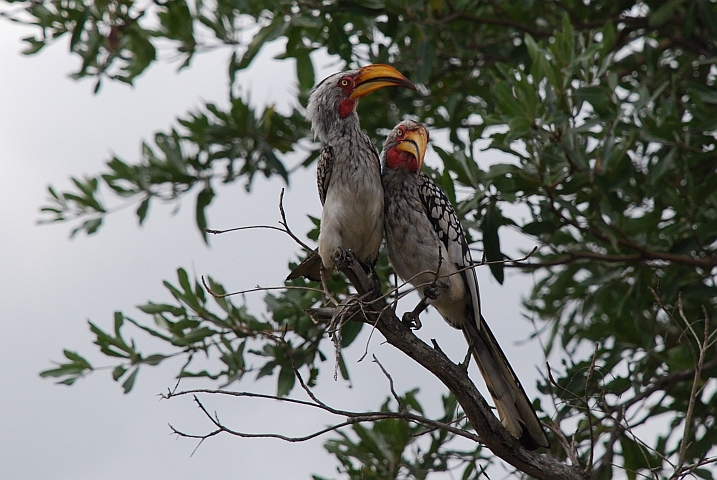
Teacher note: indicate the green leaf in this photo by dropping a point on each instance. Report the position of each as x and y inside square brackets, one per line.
[129, 382]
[664, 13]
[538, 228]
[34, 45]
[448, 187]
[119, 321]
[118, 372]
[154, 359]
[142, 210]
[203, 200]
[609, 34]
[305, 71]
[286, 381]
[349, 332]
[77, 359]
[427, 55]
[195, 336]
[78, 28]
[267, 34]
[703, 473]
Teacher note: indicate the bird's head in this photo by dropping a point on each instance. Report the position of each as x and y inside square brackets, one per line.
[334, 99]
[405, 146]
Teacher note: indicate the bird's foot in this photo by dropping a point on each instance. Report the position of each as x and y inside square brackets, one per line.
[429, 293]
[411, 320]
[432, 292]
[341, 255]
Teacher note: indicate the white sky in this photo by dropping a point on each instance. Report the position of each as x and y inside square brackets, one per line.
[52, 127]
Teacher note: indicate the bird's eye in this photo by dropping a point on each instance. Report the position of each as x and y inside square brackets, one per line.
[401, 132]
[344, 82]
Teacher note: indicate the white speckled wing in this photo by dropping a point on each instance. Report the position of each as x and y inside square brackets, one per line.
[445, 222]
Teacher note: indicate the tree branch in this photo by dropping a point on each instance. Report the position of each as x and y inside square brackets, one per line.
[456, 379]
[644, 255]
[351, 418]
[283, 223]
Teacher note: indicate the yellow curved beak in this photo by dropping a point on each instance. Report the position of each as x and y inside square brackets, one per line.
[415, 142]
[372, 77]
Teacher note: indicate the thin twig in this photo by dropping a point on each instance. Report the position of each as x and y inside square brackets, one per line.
[256, 289]
[401, 406]
[352, 418]
[373, 329]
[588, 467]
[298, 375]
[283, 223]
[286, 224]
[248, 227]
[570, 449]
[699, 365]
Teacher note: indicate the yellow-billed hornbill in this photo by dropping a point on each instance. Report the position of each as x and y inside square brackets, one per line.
[348, 171]
[422, 233]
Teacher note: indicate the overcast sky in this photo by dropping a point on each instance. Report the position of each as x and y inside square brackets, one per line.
[52, 127]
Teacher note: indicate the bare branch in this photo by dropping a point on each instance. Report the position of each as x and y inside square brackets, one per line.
[589, 416]
[643, 255]
[248, 227]
[283, 223]
[256, 289]
[286, 224]
[401, 407]
[569, 447]
[694, 392]
[352, 418]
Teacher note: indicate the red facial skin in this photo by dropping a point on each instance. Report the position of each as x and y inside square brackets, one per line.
[347, 106]
[396, 158]
[399, 159]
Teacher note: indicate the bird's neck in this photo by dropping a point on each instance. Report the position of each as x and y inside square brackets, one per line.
[329, 129]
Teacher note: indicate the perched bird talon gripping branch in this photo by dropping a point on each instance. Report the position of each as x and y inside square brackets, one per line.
[348, 171]
[425, 237]
[430, 292]
[411, 319]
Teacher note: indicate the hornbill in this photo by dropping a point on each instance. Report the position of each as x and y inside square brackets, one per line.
[424, 236]
[348, 173]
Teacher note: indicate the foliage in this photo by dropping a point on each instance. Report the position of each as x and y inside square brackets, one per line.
[388, 449]
[607, 111]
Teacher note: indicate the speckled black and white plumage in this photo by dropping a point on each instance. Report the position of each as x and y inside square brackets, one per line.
[421, 226]
[348, 173]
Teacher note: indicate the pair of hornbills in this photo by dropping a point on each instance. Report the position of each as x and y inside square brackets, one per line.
[365, 194]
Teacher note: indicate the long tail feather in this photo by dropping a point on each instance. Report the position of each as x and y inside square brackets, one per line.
[514, 408]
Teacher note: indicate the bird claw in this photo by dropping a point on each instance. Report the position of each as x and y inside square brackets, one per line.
[411, 320]
[432, 292]
[341, 255]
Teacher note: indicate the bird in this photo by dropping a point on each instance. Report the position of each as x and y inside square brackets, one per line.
[424, 236]
[348, 172]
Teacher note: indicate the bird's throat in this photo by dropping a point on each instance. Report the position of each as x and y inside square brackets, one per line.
[396, 158]
[346, 107]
